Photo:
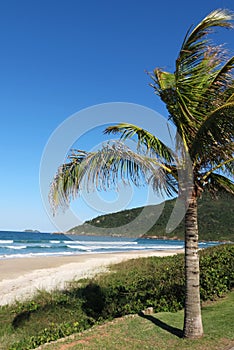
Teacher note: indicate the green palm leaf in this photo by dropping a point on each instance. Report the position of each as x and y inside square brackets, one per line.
[105, 169]
[152, 143]
[218, 183]
[223, 77]
[215, 133]
[197, 52]
[231, 98]
[189, 93]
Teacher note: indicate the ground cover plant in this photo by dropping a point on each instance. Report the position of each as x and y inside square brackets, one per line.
[129, 288]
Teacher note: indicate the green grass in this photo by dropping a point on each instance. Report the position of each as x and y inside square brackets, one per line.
[159, 331]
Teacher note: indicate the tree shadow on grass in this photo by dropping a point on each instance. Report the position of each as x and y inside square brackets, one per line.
[173, 330]
[21, 319]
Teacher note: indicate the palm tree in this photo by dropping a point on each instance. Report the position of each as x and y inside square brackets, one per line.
[199, 97]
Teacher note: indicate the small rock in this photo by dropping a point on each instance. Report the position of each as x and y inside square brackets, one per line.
[148, 311]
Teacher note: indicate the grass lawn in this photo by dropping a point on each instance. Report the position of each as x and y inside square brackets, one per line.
[161, 331]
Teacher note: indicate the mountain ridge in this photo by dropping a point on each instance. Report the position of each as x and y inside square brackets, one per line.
[215, 221]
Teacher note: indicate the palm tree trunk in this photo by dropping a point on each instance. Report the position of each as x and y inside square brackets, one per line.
[192, 315]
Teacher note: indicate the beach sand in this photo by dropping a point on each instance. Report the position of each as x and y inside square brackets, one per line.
[23, 277]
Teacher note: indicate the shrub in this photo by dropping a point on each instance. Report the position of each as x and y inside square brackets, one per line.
[158, 282]
[216, 271]
[135, 285]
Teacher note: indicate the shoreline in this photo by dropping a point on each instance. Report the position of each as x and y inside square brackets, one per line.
[21, 278]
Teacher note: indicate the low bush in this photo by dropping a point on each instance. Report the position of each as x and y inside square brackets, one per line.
[157, 282]
[216, 271]
[139, 284]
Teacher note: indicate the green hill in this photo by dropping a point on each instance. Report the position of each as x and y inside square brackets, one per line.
[215, 220]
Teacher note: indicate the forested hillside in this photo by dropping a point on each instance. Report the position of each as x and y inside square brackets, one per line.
[216, 220]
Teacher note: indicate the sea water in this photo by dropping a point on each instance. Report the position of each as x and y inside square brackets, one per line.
[29, 244]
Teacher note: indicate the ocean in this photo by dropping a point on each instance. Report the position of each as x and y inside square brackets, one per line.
[29, 244]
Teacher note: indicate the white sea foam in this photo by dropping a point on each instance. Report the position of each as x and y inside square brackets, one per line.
[102, 243]
[16, 247]
[30, 255]
[2, 241]
[165, 247]
[80, 247]
[54, 242]
[121, 243]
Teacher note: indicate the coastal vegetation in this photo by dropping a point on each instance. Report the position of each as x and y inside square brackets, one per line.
[215, 220]
[199, 97]
[158, 331]
[128, 288]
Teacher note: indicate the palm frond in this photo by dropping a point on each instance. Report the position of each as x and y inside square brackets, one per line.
[218, 183]
[152, 144]
[193, 41]
[223, 77]
[231, 98]
[199, 61]
[200, 75]
[215, 132]
[196, 43]
[105, 169]
[224, 166]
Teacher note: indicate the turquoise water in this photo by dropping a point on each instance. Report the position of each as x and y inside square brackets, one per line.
[28, 244]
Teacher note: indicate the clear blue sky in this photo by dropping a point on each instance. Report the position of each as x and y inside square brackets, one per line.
[58, 57]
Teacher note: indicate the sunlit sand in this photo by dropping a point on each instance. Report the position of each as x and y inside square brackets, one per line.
[23, 277]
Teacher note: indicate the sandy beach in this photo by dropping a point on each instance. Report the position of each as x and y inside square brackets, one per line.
[23, 277]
